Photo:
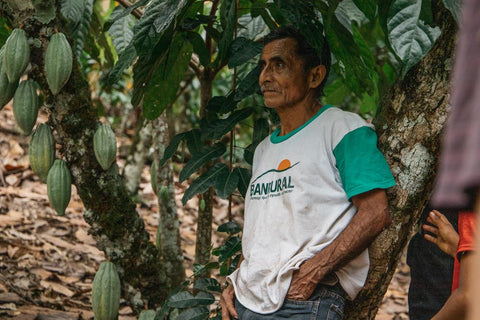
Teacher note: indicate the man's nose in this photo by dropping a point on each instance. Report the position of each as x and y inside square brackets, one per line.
[265, 75]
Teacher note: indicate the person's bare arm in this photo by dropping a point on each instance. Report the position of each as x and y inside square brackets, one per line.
[371, 218]
[227, 300]
[456, 305]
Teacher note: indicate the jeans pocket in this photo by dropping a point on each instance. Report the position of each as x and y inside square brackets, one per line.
[335, 312]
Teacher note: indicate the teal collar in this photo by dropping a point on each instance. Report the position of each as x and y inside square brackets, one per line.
[275, 138]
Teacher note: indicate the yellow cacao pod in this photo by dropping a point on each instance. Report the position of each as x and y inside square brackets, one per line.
[41, 151]
[59, 186]
[58, 62]
[106, 292]
[16, 55]
[105, 146]
[25, 106]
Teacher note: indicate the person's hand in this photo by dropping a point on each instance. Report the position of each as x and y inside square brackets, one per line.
[303, 282]
[228, 307]
[444, 236]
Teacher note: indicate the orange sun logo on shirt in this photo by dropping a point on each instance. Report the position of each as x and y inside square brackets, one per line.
[285, 164]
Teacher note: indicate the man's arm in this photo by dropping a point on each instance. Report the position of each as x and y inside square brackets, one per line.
[371, 218]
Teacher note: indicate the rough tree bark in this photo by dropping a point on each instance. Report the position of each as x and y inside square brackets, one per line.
[169, 224]
[409, 126]
[114, 222]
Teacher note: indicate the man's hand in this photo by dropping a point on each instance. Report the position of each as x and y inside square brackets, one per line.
[303, 282]
[228, 307]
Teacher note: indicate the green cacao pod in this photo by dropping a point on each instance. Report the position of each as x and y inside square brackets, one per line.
[25, 106]
[7, 88]
[147, 315]
[58, 62]
[106, 292]
[16, 55]
[105, 146]
[59, 186]
[41, 151]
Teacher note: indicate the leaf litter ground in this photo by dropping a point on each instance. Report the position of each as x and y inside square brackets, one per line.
[47, 262]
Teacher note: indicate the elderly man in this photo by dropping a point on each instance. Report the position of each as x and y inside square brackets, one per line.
[316, 198]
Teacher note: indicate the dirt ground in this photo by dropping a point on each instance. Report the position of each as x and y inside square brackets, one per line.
[47, 262]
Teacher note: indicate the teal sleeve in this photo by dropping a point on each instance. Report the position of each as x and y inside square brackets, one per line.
[361, 165]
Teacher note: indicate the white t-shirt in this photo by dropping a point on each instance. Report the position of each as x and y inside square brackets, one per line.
[298, 203]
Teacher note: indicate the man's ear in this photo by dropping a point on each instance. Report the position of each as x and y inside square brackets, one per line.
[317, 74]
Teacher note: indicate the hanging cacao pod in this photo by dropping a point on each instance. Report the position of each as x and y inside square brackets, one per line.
[59, 186]
[41, 151]
[16, 55]
[58, 62]
[7, 88]
[105, 146]
[25, 106]
[106, 292]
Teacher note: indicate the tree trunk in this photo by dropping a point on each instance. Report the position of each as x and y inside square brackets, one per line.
[139, 153]
[409, 125]
[169, 225]
[114, 222]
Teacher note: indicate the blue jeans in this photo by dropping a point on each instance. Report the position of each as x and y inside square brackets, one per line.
[326, 303]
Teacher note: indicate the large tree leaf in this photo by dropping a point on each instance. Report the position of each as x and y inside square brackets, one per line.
[199, 47]
[242, 50]
[455, 7]
[79, 15]
[120, 14]
[204, 298]
[122, 31]
[194, 141]
[410, 38]
[230, 227]
[244, 176]
[172, 147]
[226, 185]
[197, 161]
[207, 284]
[229, 249]
[182, 299]
[217, 129]
[228, 18]
[162, 88]
[44, 10]
[72, 10]
[125, 60]
[368, 7]
[249, 85]
[205, 181]
[261, 130]
[157, 17]
[198, 313]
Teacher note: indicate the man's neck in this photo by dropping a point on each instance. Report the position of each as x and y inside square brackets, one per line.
[294, 117]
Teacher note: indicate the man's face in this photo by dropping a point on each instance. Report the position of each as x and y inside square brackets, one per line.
[282, 79]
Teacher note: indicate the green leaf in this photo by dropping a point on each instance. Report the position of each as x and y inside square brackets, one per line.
[162, 88]
[261, 130]
[120, 14]
[230, 248]
[194, 141]
[72, 10]
[207, 284]
[159, 16]
[225, 185]
[242, 50]
[335, 92]
[198, 313]
[228, 18]
[79, 15]
[125, 60]
[249, 85]
[204, 298]
[368, 7]
[217, 129]
[205, 181]
[199, 269]
[199, 47]
[410, 38]
[230, 227]
[183, 299]
[244, 180]
[172, 147]
[196, 162]
[122, 32]
[455, 7]
[44, 10]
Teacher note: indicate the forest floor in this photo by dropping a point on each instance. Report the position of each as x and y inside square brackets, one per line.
[48, 262]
